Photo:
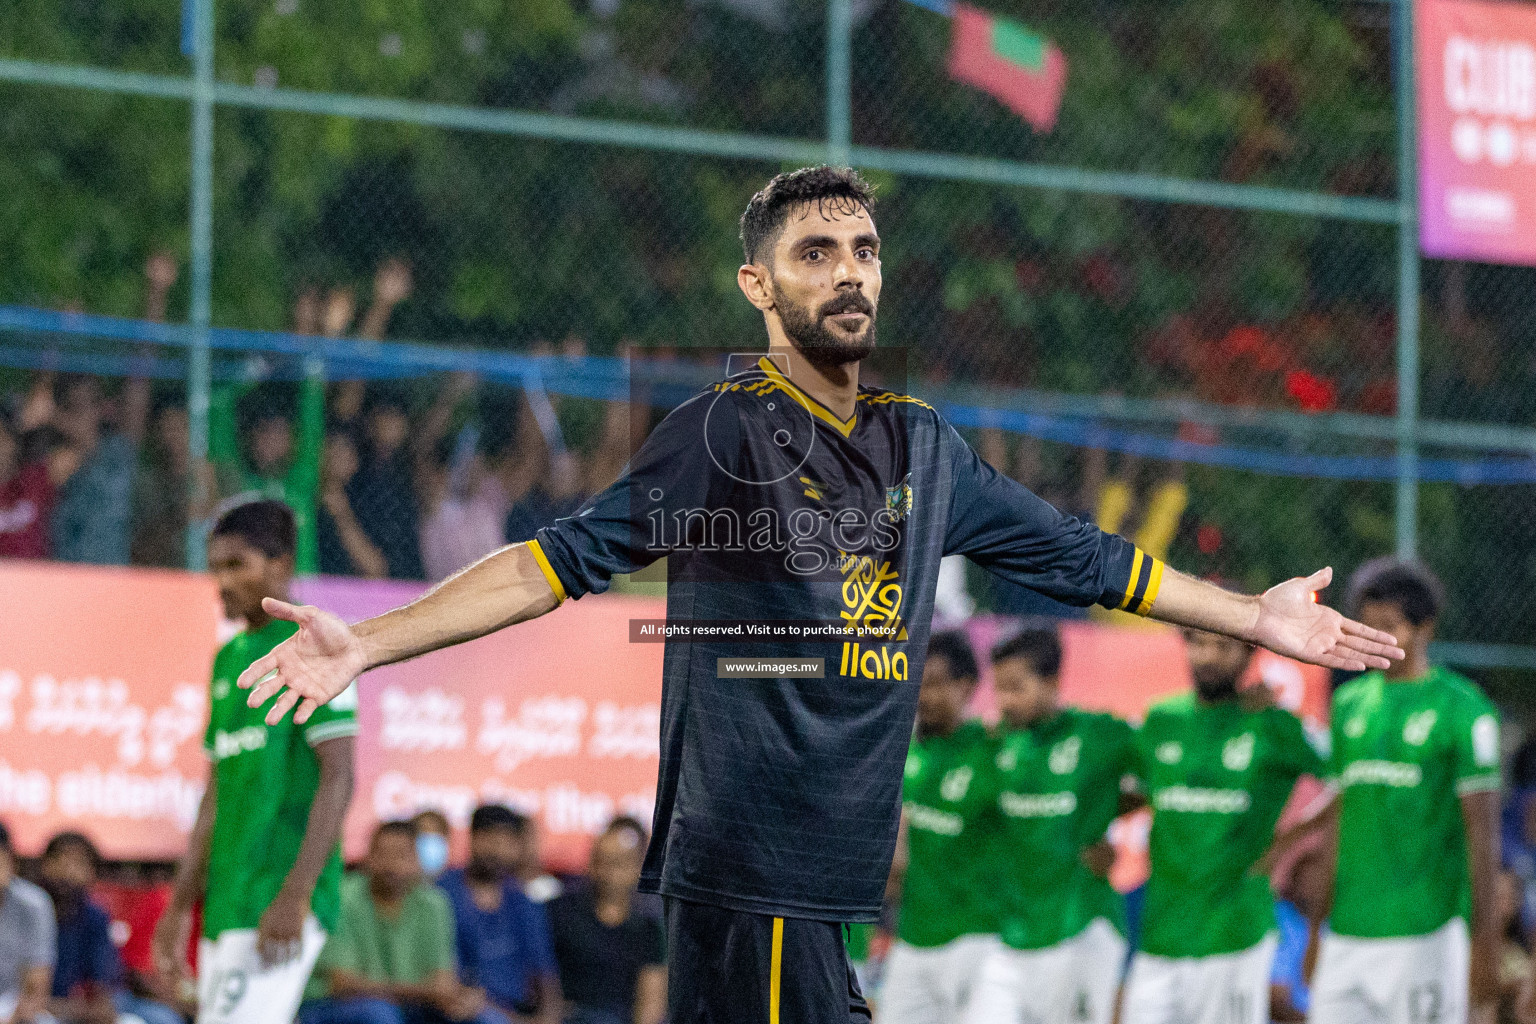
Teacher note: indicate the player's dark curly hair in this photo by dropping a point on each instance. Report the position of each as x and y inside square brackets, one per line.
[770, 208]
[1409, 585]
[955, 648]
[266, 525]
[1038, 643]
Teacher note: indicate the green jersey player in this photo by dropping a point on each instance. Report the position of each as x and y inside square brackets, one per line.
[947, 921]
[1218, 767]
[263, 856]
[1060, 773]
[1416, 764]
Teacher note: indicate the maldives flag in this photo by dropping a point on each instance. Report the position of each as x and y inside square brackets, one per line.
[1024, 71]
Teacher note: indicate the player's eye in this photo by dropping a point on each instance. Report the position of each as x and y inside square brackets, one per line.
[866, 254]
[814, 255]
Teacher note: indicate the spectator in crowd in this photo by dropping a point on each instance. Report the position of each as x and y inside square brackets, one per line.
[538, 884]
[1517, 976]
[164, 492]
[382, 492]
[264, 460]
[91, 517]
[391, 960]
[503, 937]
[88, 978]
[612, 968]
[344, 547]
[1300, 914]
[27, 948]
[433, 835]
[26, 498]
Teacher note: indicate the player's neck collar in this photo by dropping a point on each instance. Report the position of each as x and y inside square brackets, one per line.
[821, 412]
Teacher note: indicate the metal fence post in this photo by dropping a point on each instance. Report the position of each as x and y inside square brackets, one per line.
[839, 79]
[199, 373]
[1407, 285]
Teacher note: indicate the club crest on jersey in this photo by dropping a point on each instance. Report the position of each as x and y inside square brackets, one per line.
[1171, 752]
[1354, 728]
[1418, 727]
[898, 499]
[1063, 759]
[1237, 755]
[1008, 760]
[914, 765]
[956, 782]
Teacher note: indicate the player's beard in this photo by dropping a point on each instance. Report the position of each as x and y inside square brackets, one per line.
[1216, 688]
[812, 338]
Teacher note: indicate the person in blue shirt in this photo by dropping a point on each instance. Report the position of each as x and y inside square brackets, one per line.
[503, 936]
[88, 979]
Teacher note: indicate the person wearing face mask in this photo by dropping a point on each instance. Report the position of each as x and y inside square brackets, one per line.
[503, 936]
[1218, 766]
[88, 979]
[432, 839]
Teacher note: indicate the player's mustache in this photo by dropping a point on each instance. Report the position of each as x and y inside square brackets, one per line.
[851, 302]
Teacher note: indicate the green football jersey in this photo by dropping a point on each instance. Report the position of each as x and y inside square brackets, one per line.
[948, 798]
[1217, 775]
[1403, 753]
[1058, 790]
[267, 776]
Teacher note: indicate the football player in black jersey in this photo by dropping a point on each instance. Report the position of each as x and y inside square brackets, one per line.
[789, 492]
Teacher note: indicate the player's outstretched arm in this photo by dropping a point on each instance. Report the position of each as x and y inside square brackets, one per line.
[1286, 618]
[319, 661]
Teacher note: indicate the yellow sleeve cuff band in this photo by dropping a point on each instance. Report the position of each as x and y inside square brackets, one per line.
[1146, 580]
[548, 571]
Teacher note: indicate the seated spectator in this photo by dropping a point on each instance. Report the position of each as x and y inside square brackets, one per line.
[26, 499]
[27, 947]
[528, 867]
[1300, 913]
[612, 968]
[165, 490]
[391, 960]
[503, 937]
[88, 980]
[135, 900]
[1517, 978]
[433, 835]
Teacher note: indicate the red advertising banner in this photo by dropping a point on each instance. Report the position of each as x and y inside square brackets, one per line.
[103, 702]
[1476, 71]
[559, 718]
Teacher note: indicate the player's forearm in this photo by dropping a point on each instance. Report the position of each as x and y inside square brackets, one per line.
[501, 589]
[192, 872]
[1185, 601]
[326, 813]
[1480, 816]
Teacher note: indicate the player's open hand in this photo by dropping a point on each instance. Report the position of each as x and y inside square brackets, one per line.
[310, 668]
[1292, 622]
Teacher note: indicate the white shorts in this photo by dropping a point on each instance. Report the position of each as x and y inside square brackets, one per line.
[233, 987]
[1421, 979]
[1229, 988]
[932, 985]
[1072, 982]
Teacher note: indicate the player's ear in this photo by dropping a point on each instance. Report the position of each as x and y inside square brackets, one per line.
[755, 283]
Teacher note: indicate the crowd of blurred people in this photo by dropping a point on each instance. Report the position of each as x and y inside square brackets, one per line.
[493, 941]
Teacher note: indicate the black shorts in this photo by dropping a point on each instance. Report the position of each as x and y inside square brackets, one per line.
[729, 967]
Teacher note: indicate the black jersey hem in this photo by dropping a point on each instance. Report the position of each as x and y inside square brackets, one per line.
[757, 905]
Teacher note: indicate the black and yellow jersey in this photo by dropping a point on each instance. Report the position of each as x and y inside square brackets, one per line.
[782, 796]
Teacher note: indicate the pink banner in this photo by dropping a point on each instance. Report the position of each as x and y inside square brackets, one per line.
[559, 717]
[1476, 70]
